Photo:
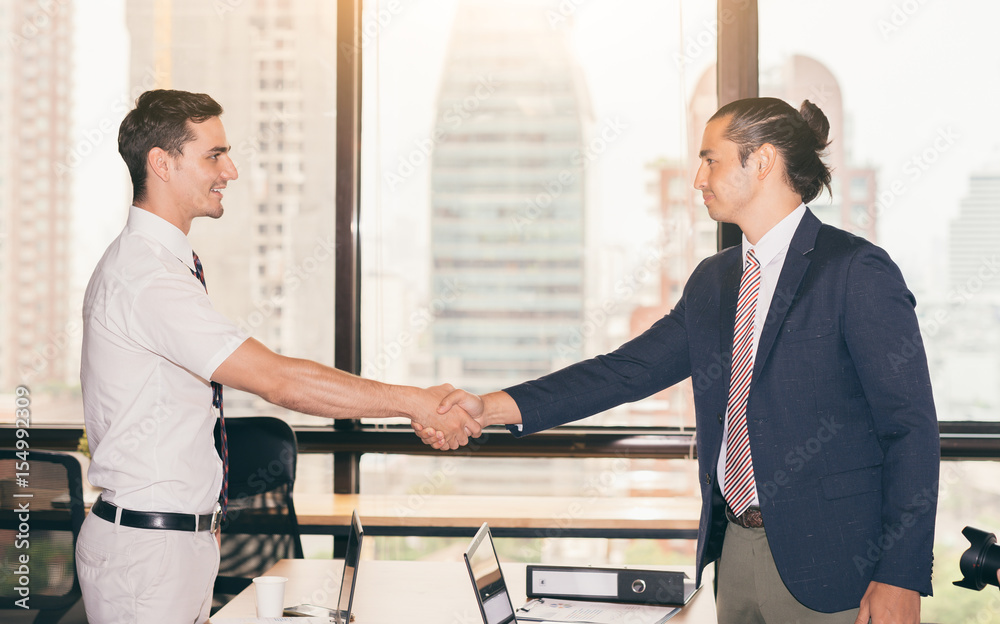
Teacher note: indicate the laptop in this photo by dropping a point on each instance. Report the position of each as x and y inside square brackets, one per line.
[487, 579]
[348, 581]
[496, 608]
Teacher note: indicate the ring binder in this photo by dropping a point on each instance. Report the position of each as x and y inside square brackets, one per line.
[651, 587]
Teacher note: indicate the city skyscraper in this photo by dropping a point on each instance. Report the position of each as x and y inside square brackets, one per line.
[269, 260]
[508, 197]
[972, 239]
[35, 216]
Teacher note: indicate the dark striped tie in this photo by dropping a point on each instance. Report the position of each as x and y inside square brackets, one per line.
[199, 272]
[739, 464]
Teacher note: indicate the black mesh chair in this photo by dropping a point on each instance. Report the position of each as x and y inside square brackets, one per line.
[55, 514]
[260, 527]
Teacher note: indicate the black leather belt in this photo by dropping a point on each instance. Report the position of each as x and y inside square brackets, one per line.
[157, 520]
[749, 519]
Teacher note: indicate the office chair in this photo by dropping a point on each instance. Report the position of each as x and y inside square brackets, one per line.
[53, 520]
[260, 526]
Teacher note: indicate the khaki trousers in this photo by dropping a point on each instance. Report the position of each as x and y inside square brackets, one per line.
[142, 576]
[752, 592]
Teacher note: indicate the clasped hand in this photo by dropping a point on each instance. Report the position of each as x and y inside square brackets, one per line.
[442, 424]
[457, 416]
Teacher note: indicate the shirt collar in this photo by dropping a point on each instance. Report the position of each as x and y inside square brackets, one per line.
[163, 232]
[777, 239]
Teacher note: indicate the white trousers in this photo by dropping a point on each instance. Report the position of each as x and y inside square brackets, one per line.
[144, 576]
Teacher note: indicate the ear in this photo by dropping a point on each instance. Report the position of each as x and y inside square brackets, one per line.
[158, 161]
[767, 156]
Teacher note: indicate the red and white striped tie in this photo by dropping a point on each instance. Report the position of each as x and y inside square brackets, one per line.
[739, 465]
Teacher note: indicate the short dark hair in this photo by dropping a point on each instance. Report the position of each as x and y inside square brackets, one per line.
[800, 136]
[159, 119]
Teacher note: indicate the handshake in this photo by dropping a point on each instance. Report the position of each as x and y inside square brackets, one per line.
[445, 417]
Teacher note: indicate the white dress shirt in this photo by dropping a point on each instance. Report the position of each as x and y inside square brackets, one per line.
[770, 250]
[151, 342]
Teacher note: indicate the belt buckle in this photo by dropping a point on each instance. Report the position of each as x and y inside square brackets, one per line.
[215, 519]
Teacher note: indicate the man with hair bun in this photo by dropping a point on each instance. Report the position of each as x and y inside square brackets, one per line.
[818, 448]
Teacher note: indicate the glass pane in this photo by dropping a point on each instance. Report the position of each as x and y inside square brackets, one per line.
[527, 202]
[65, 192]
[527, 186]
[907, 87]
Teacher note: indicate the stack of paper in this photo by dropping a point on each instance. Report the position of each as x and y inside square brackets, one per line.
[582, 611]
[273, 620]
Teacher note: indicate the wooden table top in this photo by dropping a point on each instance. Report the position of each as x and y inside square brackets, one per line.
[525, 512]
[390, 592]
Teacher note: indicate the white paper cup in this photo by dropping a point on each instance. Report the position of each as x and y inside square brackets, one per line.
[270, 594]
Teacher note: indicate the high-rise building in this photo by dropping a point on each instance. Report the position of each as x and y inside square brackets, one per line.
[972, 239]
[35, 215]
[270, 63]
[961, 329]
[508, 197]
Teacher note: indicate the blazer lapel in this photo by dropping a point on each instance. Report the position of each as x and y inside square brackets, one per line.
[787, 288]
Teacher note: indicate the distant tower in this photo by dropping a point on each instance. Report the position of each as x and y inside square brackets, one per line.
[972, 240]
[507, 198]
[35, 215]
[853, 206]
[269, 260]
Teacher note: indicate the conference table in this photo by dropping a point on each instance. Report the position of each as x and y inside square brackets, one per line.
[390, 592]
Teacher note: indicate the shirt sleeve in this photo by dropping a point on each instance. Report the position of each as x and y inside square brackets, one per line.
[172, 316]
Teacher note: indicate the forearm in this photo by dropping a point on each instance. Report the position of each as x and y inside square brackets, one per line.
[311, 388]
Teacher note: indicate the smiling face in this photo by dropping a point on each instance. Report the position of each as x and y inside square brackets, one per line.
[201, 171]
[725, 184]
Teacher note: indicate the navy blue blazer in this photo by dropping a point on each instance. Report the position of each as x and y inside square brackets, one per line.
[842, 426]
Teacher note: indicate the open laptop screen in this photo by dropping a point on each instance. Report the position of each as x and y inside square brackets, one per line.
[351, 559]
[487, 578]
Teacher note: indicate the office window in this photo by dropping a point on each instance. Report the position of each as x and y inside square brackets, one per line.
[508, 226]
[65, 144]
[913, 122]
